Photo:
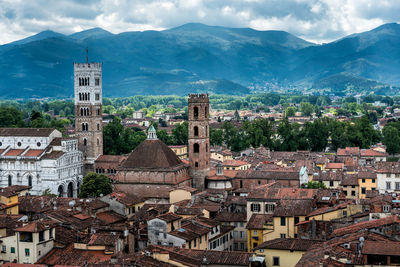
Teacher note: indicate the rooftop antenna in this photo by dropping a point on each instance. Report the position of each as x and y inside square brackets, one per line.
[87, 55]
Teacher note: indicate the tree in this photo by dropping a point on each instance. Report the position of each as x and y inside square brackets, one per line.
[391, 139]
[180, 134]
[236, 115]
[94, 185]
[314, 185]
[11, 117]
[47, 192]
[306, 108]
[290, 111]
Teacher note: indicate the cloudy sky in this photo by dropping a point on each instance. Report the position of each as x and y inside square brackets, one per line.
[314, 20]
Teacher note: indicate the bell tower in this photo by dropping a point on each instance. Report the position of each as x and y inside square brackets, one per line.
[199, 140]
[88, 111]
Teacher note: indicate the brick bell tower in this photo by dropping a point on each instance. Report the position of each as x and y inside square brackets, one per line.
[199, 140]
[88, 111]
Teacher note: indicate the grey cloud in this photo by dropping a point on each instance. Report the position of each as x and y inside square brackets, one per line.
[317, 20]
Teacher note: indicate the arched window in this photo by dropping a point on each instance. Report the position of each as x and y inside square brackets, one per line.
[196, 131]
[83, 127]
[81, 111]
[80, 82]
[205, 112]
[85, 96]
[88, 96]
[98, 127]
[196, 164]
[196, 112]
[98, 142]
[29, 180]
[206, 147]
[88, 81]
[80, 97]
[206, 130]
[84, 141]
[196, 148]
[9, 180]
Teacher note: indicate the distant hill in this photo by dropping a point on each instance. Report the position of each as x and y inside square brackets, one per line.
[199, 58]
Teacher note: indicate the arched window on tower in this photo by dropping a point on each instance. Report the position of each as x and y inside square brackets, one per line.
[196, 148]
[84, 141]
[80, 97]
[206, 112]
[79, 81]
[196, 112]
[81, 111]
[83, 127]
[98, 141]
[196, 131]
[196, 164]
[88, 96]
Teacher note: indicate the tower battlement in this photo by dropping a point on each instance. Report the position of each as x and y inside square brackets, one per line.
[84, 66]
[198, 98]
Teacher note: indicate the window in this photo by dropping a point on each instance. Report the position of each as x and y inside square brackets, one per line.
[296, 220]
[345, 213]
[51, 233]
[196, 131]
[3, 248]
[241, 234]
[255, 232]
[241, 246]
[386, 208]
[275, 261]
[387, 185]
[206, 112]
[97, 82]
[27, 253]
[373, 181]
[196, 112]
[283, 221]
[269, 208]
[98, 127]
[29, 180]
[12, 249]
[235, 234]
[41, 236]
[9, 180]
[255, 207]
[363, 180]
[19, 144]
[283, 235]
[330, 183]
[353, 186]
[196, 148]
[353, 193]
[363, 190]
[196, 164]
[85, 142]
[397, 185]
[38, 144]
[241, 184]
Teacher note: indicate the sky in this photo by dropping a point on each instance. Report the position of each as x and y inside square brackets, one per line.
[314, 20]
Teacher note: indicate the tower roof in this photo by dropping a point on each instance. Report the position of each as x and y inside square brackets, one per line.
[152, 154]
[151, 133]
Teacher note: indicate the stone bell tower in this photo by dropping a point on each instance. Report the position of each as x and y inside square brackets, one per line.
[88, 111]
[199, 140]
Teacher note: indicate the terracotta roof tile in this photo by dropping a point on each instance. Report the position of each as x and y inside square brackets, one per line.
[152, 154]
[33, 152]
[381, 248]
[42, 132]
[257, 221]
[289, 244]
[14, 152]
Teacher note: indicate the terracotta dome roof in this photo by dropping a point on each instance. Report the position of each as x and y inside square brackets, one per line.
[152, 154]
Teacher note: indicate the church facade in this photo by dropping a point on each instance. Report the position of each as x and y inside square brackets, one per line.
[41, 159]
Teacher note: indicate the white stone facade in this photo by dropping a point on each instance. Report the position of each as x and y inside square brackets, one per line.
[42, 159]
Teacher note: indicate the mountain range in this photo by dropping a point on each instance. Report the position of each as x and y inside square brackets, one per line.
[199, 58]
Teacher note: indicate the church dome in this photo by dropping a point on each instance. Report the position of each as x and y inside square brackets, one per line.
[152, 154]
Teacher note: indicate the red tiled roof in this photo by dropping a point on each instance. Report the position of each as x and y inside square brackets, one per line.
[109, 217]
[169, 217]
[267, 192]
[394, 219]
[37, 226]
[381, 248]
[348, 151]
[371, 153]
[14, 152]
[33, 152]
[288, 244]
[126, 198]
[234, 162]
[334, 165]
[257, 221]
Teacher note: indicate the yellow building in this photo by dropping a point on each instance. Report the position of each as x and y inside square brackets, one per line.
[336, 212]
[283, 251]
[366, 181]
[236, 165]
[8, 201]
[287, 214]
[222, 155]
[180, 151]
[349, 186]
[256, 226]
[181, 193]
